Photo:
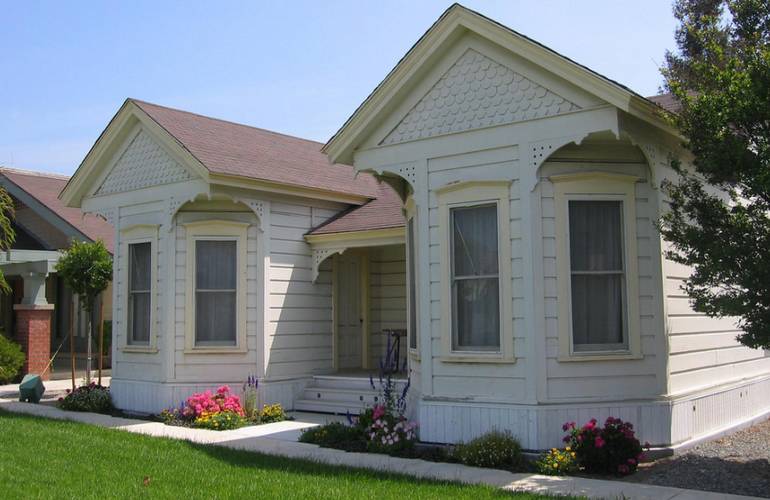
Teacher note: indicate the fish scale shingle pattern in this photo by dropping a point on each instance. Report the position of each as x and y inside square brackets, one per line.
[143, 164]
[477, 92]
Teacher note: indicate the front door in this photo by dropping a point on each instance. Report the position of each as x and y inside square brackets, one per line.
[349, 317]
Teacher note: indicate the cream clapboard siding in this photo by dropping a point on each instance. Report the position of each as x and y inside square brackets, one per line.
[387, 302]
[299, 320]
[602, 379]
[704, 351]
[484, 381]
[133, 365]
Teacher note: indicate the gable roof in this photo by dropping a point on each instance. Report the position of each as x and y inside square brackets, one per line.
[456, 18]
[44, 188]
[384, 212]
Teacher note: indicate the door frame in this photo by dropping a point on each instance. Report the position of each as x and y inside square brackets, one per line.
[364, 304]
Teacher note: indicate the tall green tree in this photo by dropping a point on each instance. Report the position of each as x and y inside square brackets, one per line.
[719, 221]
[7, 234]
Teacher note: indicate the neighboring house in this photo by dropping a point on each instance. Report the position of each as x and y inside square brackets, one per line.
[44, 227]
[528, 273]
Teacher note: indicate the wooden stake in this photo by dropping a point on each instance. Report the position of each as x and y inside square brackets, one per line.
[72, 340]
[101, 340]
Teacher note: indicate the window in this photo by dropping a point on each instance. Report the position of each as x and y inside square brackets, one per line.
[411, 258]
[139, 292]
[597, 277]
[215, 310]
[475, 257]
[137, 273]
[475, 279]
[215, 292]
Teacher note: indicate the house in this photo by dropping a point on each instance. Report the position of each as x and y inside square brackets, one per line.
[44, 227]
[511, 233]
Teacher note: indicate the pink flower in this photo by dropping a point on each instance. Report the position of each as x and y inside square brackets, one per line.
[590, 424]
[623, 469]
[599, 442]
[223, 389]
[631, 461]
[378, 412]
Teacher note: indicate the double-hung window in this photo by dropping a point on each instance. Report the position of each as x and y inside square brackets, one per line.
[139, 293]
[216, 265]
[137, 273]
[477, 318]
[215, 318]
[475, 279]
[596, 265]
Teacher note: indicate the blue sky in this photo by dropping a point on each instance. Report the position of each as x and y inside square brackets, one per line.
[297, 67]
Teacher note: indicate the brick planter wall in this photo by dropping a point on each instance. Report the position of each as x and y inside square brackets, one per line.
[33, 332]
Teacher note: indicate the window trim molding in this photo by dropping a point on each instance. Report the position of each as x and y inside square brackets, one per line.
[599, 186]
[213, 229]
[470, 194]
[410, 214]
[139, 233]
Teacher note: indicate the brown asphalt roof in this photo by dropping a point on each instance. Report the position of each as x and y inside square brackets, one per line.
[667, 102]
[240, 150]
[386, 211]
[45, 188]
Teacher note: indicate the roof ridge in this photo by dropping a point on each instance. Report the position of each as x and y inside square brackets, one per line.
[33, 173]
[139, 101]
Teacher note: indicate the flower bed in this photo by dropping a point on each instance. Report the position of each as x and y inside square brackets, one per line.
[89, 398]
[222, 410]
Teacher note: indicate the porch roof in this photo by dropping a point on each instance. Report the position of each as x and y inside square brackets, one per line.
[383, 212]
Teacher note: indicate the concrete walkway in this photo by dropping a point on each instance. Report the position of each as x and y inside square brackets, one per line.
[280, 438]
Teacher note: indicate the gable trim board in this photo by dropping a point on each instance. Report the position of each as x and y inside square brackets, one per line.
[455, 21]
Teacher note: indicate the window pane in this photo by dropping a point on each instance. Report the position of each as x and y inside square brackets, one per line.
[412, 286]
[139, 297]
[215, 318]
[139, 266]
[139, 318]
[474, 240]
[215, 265]
[597, 311]
[476, 306]
[595, 235]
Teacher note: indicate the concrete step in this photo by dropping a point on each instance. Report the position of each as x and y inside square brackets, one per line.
[336, 408]
[341, 395]
[349, 382]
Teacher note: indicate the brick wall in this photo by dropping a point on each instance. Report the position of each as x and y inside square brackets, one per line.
[33, 332]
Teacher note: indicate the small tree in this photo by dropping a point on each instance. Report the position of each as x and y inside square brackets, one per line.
[87, 270]
[721, 77]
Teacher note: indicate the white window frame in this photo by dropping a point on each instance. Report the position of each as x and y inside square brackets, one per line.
[216, 230]
[596, 186]
[467, 195]
[140, 233]
[410, 211]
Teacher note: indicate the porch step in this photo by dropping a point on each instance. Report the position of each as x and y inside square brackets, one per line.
[338, 394]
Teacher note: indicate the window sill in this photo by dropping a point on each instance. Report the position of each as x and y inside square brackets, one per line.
[477, 358]
[594, 356]
[137, 349]
[216, 350]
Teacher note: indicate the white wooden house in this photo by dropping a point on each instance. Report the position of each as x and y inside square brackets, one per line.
[513, 238]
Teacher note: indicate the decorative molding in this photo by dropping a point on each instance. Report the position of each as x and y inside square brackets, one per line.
[108, 214]
[477, 92]
[320, 255]
[144, 163]
[407, 171]
[172, 207]
[540, 151]
[259, 208]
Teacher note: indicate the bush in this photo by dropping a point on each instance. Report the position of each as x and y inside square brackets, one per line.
[203, 409]
[495, 450]
[613, 449]
[92, 398]
[335, 435]
[271, 413]
[11, 359]
[557, 462]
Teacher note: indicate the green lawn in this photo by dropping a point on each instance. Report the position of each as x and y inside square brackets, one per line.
[41, 458]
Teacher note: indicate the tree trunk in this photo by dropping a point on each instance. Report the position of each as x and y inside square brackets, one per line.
[101, 341]
[88, 347]
[72, 340]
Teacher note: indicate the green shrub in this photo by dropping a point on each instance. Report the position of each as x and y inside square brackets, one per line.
[92, 398]
[555, 462]
[335, 435]
[11, 359]
[271, 413]
[495, 450]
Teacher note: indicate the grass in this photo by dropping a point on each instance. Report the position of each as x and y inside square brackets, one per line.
[42, 458]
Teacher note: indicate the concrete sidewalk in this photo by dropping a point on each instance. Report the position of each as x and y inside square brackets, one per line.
[280, 439]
